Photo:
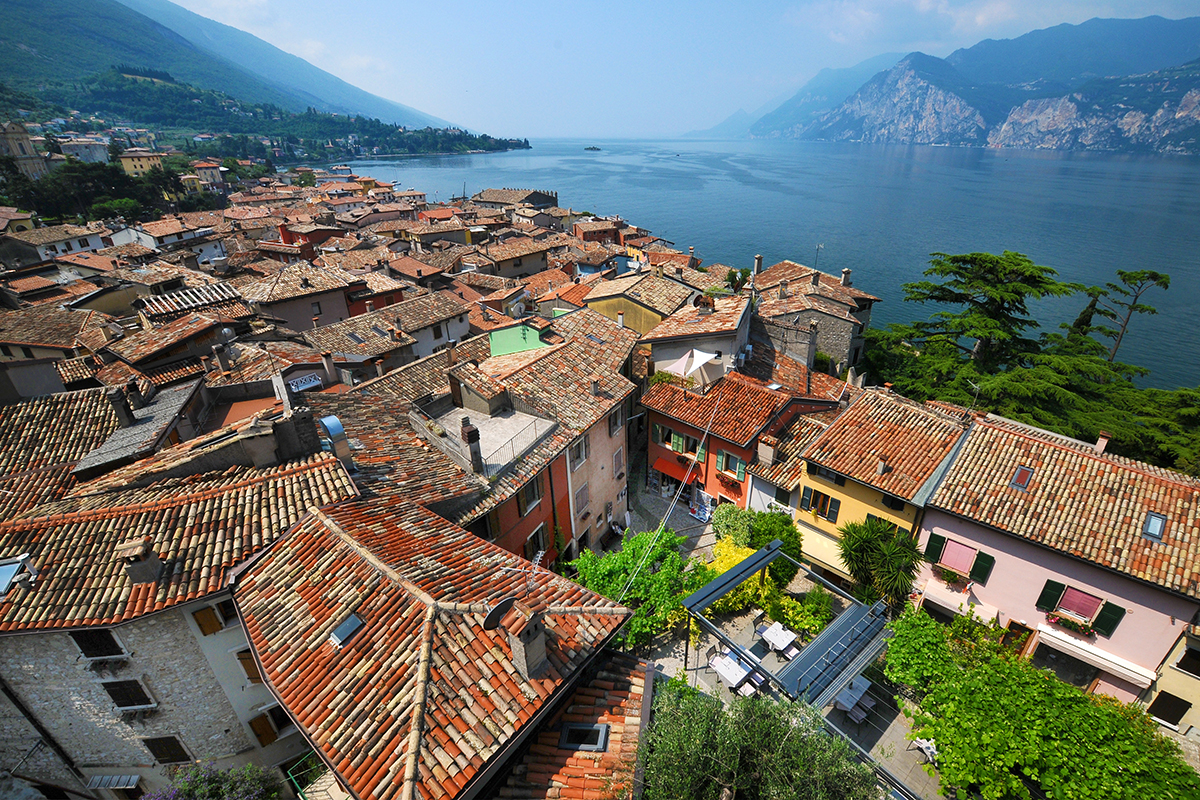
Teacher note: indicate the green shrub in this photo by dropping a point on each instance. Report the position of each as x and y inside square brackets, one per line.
[733, 523]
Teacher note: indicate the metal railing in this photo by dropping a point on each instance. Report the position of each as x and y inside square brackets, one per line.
[521, 443]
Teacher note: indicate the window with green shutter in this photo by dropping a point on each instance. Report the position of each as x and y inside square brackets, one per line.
[835, 505]
[934, 548]
[806, 498]
[982, 568]
[676, 442]
[1108, 619]
[701, 454]
[721, 460]
[741, 470]
[1052, 592]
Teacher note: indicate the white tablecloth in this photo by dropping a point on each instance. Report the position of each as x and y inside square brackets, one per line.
[779, 637]
[731, 672]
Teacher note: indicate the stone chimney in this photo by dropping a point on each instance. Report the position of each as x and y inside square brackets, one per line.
[1102, 441]
[142, 564]
[206, 363]
[691, 256]
[451, 354]
[811, 356]
[816, 279]
[370, 306]
[222, 356]
[846, 276]
[783, 289]
[120, 406]
[470, 436]
[527, 638]
[595, 387]
[134, 395]
[331, 370]
[621, 318]
[679, 272]
[767, 446]
[283, 391]
[380, 370]
[757, 264]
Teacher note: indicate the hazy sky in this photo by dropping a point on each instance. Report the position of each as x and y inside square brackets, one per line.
[616, 68]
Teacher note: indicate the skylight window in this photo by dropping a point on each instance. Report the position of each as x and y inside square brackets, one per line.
[354, 337]
[1021, 478]
[16, 570]
[1154, 526]
[576, 736]
[379, 331]
[344, 632]
[595, 338]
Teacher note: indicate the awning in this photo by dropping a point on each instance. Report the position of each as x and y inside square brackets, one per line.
[1090, 654]
[699, 359]
[113, 781]
[669, 466]
[677, 367]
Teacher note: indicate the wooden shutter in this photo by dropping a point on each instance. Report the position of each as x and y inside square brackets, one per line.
[676, 442]
[806, 498]
[782, 496]
[1107, 619]
[840, 480]
[246, 659]
[701, 454]
[835, 505]
[811, 468]
[522, 503]
[720, 460]
[208, 620]
[128, 694]
[741, 470]
[982, 568]
[264, 731]
[934, 548]
[1052, 592]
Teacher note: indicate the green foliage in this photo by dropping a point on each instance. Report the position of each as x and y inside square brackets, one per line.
[1122, 301]
[806, 617]
[880, 557]
[123, 207]
[733, 523]
[918, 654]
[305, 178]
[206, 782]
[758, 748]
[770, 525]
[648, 574]
[822, 362]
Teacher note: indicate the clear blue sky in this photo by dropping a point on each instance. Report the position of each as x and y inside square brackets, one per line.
[614, 68]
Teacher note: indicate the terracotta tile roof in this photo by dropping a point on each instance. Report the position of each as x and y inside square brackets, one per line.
[146, 344]
[486, 284]
[422, 312]
[559, 385]
[297, 280]
[393, 462]
[574, 295]
[168, 374]
[614, 693]
[772, 306]
[728, 315]
[372, 334]
[788, 467]
[426, 376]
[1089, 505]
[519, 473]
[713, 277]
[48, 326]
[598, 225]
[258, 361]
[542, 282]
[358, 258]
[739, 408]
[799, 278]
[658, 294]
[767, 366]
[51, 234]
[32, 283]
[436, 695]
[516, 247]
[219, 299]
[198, 527]
[154, 422]
[379, 282]
[508, 196]
[63, 293]
[132, 250]
[483, 320]
[601, 336]
[102, 260]
[157, 272]
[41, 441]
[413, 268]
[73, 370]
[911, 439]
[168, 226]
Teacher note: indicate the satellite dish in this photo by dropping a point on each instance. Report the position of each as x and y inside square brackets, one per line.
[492, 620]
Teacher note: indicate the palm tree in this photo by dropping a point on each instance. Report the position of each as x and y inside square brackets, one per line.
[881, 558]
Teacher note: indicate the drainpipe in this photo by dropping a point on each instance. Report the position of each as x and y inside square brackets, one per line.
[554, 499]
[41, 730]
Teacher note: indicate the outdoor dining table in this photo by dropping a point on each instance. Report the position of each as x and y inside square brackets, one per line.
[731, 672]
[849, 697]
[779, 637]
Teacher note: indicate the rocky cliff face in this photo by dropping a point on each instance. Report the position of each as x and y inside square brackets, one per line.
[903, 106]
[1082, 122]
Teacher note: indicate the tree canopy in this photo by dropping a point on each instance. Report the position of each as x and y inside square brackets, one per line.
[881, 558]
[757, 748]
[207, 782]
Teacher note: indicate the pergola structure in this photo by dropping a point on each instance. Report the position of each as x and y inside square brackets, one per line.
[826, 664]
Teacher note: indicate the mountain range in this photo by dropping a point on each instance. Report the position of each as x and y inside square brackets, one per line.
[62, 41]
[1104, 84]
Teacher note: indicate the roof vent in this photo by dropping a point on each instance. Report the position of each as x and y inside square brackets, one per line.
[1102, 441]
[882, 468]
[345, 632]
[142, 563]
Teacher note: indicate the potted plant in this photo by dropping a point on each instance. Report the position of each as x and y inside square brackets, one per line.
[1063, 621]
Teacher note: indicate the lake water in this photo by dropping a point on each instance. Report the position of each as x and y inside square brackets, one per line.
[881, 210]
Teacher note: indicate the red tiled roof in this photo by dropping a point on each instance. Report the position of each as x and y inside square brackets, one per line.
[426, 376]
[201, 528]
[1089, 505]
[738, 407]
[911, 441]
[726, 317]
[659, 294]
[435, 695]
[48, 326]
[788, 467]
[152, 341]
[799, 279]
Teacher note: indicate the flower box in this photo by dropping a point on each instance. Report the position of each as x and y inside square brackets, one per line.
[1063, 621]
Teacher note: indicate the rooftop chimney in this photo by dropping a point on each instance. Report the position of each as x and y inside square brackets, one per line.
[451, 355]
[1102, 441]
[882, 467]
[134, 395]
[331, 371]
[846, 276]
[757, 264]
[527, 638]
[370, 306]
[595, 387]
[679, 272]
[380, 370]
[816, 279]
[222, 356]
[142, 564]
[470, 436]
[621, 318]
[120, 406]
[304, 282]
[783, 289]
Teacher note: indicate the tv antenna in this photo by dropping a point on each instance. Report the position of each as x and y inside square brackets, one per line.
[817, 256]
[974, 386]
[529, 570]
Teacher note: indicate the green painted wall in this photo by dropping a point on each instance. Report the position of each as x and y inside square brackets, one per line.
[514, 339]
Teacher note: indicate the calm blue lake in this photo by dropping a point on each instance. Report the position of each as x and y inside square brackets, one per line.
[881, 210]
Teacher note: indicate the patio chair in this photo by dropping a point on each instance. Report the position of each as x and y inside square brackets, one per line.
[791, 652]
[761, 630]
[857, 714]
[712, 651]
[757, 679]
[867, 702]
[747, 689]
